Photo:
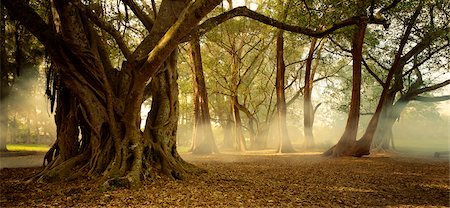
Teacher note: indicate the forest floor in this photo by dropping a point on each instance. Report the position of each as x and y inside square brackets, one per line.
[250, 180]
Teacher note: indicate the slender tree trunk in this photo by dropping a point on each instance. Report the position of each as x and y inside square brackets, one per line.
[285, 145]
[308, 116]
[4, 87]
[3, 125]
[235, 76]
[348, 139]
[252, 132]
[262, 135]
[238, 134]
[227, 132]
[202, 135]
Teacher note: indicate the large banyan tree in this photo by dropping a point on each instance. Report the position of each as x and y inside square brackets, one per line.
[97, 105]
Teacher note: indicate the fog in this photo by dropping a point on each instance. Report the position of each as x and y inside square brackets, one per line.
[422, 128]
[29, 120]
[423, 133]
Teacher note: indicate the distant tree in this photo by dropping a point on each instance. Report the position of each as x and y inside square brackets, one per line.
[425, 55]
[401, 59]
[202, 136]
[285, 145]
[349, 136]
[308, 108]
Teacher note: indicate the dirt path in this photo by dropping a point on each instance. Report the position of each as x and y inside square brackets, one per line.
[256, 181]
[21, 159]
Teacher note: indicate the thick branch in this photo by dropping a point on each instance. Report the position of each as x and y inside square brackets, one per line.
[425, 43]
[405, 36]
[246, 111]
[424, 60]
[245, 12]
[432, 99]
[186, 21]
[108, 28]
[430, 88]
[144, 18]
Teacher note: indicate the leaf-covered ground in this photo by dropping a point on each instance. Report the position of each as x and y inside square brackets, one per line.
[256, 181]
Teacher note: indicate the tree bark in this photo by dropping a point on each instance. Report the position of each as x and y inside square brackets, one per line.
[4, 86]
[307, 104]
[228, 130]
[348, 139]
[238, 134]
[309, 111]
[3, 124]
[239, 140]
[382, 137]
[285, 145]
[202, 136]
[159, 148]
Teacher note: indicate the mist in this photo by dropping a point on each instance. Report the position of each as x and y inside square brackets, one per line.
[28, 119]
[423, 132]
[423, 128]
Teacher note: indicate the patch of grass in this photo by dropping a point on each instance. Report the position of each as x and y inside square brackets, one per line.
[28, 147]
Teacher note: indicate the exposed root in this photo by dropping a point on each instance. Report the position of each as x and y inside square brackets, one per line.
[329, 152]
[50, 155]
[60, 171]
[113, 183]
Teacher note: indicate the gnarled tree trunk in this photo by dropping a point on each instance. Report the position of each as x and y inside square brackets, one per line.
[383, 136]
[98, 107]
